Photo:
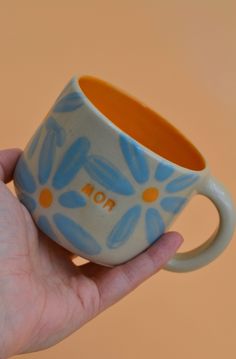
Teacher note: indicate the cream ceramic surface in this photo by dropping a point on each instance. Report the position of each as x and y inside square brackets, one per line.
[103, 195]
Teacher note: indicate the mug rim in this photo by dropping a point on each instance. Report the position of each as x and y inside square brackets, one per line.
[106, 120]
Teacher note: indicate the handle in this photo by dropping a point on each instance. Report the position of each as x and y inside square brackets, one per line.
[209, 250]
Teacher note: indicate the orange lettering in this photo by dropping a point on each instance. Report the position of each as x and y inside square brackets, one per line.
[88, 189]
[110, 204]
[99, 197]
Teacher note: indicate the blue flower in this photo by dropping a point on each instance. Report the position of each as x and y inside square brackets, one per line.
[42, 192]
[107, 175]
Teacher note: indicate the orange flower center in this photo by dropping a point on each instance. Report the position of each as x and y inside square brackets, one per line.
[45, 198]
[150, 194]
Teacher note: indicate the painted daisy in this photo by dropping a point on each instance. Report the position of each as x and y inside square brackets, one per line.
[48, 187]
[151, 202]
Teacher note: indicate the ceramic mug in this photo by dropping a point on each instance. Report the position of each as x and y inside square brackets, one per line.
[104, 176]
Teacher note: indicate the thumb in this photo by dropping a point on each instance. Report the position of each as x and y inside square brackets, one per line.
[8, 160]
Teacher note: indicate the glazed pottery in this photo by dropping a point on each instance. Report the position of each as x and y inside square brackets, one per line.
[104, 176]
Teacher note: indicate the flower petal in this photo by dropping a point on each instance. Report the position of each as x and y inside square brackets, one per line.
[45, 226]
[173, 204]
[34, 142]
[23, 177]
[73, 160]
[181, 182]
[106, 174]
[69, 103]
[124, 227]
[46, 157]
[28, 201]
[72, 199]
[76, 235]
[135, 158]
[155, 225]
[163, 171]
[65, 89]
[52, 124]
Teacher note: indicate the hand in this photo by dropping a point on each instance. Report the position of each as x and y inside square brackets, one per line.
[44, 296]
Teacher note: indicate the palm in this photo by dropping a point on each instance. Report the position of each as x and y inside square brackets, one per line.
[44, 295]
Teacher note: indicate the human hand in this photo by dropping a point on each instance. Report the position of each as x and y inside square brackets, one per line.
[44, 296]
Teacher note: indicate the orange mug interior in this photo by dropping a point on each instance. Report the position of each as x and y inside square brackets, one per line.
[143, 124]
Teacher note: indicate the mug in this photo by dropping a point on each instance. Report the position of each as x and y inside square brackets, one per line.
[104, 176]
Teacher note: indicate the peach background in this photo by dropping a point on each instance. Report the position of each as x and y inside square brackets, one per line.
[179, 57]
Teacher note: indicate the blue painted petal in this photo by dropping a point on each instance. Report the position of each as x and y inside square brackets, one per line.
[155, 225]
[124, 227]
[135, 158]
[66, 88]
[106, 174]
[28, 201]
[46, 157]
[173, 204]
[52, 124]
[61, 136]
[68, 103]
[73, 160]
[34, 142]
[76, 235]
[23, 177]
[72, 199]
[181, 182]
[45, 226]
[163, 171]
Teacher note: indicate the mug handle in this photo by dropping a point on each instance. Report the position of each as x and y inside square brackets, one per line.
[212, 247]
